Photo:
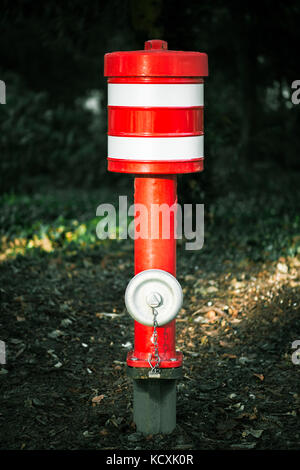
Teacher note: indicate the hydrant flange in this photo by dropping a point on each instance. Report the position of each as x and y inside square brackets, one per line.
[160, 288]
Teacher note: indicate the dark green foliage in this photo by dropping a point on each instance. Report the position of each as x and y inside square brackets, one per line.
[55, 55]
[58, 144]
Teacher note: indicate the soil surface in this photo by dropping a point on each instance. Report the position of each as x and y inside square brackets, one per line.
[67, 333]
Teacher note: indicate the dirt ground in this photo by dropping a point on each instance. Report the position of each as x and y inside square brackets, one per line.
[64, 384]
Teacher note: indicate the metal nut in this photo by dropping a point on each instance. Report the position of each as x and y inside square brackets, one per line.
[154, 299]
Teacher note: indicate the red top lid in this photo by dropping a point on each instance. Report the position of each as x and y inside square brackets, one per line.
[155, 61]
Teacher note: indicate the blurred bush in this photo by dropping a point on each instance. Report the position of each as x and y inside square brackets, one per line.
[50, 138]
[48, 144]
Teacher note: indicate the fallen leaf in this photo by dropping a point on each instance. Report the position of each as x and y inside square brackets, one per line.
[244, 360]
[244, 445]
[260, 376]
[103, 432]
[282, 268]
[37, 402]
[98, 398]
[211, 290]
[58, 365]
[253, 432]
[224, 344]
[201, 319]
[211, 315]
[19, 318]
[110, 315]
[55, 334]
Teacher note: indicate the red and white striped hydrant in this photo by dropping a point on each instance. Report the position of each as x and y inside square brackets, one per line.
[155, 131]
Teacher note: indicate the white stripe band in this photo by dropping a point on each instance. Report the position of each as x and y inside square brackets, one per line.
[158, 95]
[155, 148]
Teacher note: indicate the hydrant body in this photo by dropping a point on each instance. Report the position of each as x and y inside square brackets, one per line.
[158, 254]
[155, 131]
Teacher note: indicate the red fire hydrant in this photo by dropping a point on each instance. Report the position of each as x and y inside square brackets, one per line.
[155, 131]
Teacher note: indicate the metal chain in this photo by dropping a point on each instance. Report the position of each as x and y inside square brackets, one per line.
[155, 368]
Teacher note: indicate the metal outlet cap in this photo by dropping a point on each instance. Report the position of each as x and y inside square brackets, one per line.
[142, 286]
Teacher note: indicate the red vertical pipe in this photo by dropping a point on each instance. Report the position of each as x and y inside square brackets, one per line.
[151, 253]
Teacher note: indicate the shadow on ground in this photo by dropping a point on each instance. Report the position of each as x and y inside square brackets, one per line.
[67, 333]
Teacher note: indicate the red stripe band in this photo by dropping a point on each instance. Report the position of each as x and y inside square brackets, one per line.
[155, 122]
[159, 168]
[145, 80]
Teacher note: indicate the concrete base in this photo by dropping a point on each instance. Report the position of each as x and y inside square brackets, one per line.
[154, 405]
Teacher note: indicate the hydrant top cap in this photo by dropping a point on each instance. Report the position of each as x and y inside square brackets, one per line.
[155, 44]
[155, 61]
